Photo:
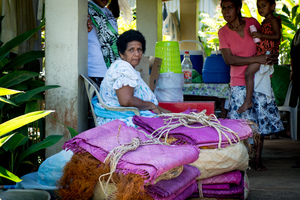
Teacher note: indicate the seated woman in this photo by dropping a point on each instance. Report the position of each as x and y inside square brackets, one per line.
[122, 84]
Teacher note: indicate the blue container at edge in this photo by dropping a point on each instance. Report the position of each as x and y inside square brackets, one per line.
[196, 59]
[215, 70]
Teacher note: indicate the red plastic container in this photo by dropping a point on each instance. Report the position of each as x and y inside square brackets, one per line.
[177, 107]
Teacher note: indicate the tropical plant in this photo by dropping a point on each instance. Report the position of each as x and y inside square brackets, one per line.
[10, 140]
[18, 109]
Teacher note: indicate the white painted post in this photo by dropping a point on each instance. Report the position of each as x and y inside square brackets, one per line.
[149, 22]
[65, 60]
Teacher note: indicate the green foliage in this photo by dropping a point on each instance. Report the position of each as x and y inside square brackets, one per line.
[19, 110]
[10, 140]
[286, 9]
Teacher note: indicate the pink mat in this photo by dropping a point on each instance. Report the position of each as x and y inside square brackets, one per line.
[150, 161]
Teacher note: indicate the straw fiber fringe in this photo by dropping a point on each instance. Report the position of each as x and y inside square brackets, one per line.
[81, 175]
[176, 120]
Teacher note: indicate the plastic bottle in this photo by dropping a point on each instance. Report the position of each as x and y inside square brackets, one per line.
[187, 67]
[253, 29]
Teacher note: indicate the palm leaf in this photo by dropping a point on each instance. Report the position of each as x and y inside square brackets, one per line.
[47, 142]
[23, 59]
[29, 94]
[15, 141]
[7, 47]
[7, 101]
[18, 122]
[5, 139]
[5, 91]
[15, 78]
[72, 131]
[7, 174]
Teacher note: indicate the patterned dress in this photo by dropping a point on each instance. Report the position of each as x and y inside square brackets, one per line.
[265, 44]
[265, 115]
[120, 74]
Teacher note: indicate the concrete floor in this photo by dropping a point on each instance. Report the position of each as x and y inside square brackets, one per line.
[281, 181]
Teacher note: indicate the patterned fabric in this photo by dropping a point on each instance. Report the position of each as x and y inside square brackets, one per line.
[107, 35]
[120, 74]
[204, 89]
[265, 44]
[265, 115]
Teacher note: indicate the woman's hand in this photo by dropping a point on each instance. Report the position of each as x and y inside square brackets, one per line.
[270, 59]
[126, 99]
[89, 24]
[160, 110]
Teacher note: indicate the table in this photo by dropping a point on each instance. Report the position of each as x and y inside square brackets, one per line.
[208, 92]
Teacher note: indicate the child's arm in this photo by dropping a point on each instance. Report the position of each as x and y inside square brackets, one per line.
[276, 28]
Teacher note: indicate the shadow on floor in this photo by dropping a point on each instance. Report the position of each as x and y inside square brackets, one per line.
[282, 180]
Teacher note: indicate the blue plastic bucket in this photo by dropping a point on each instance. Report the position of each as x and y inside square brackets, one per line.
[215, 70]
[196, 56]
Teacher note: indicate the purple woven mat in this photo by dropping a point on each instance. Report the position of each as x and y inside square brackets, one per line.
[222, 186]
[235, 192]
[200, 137]
[188, 192]
[233, 177]
[169, 189]
[150, 161]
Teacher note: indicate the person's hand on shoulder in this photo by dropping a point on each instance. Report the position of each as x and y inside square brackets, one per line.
[89, 24]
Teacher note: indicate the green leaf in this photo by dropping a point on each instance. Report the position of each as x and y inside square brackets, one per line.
[16, 141]
[23, 59]
[294, 11]
[8, 175]
[47, 142]
[7, 47]
[20, 98]
[286, 10]
[72, 131]
[5, 139]
[7, 101]
[31, 106]
[18, 122]
[5, 91]
[15, 78]
[297, 22]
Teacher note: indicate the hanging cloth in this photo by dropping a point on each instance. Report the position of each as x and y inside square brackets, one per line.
[165, 12]
[125, 11]
[171, 26]
[107, 35]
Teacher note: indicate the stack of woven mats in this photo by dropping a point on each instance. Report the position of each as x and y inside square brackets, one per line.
[223, 154]
[129, 154]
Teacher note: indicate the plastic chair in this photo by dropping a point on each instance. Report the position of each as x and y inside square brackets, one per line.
[92, 88]
[293, 112]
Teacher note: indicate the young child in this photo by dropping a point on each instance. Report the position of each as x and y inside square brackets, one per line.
[270, 40]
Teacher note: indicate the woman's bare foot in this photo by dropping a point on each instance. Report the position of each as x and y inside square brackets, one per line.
[260, 167]
[245, 107]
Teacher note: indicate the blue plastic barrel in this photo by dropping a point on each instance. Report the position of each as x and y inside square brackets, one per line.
[215, 70]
